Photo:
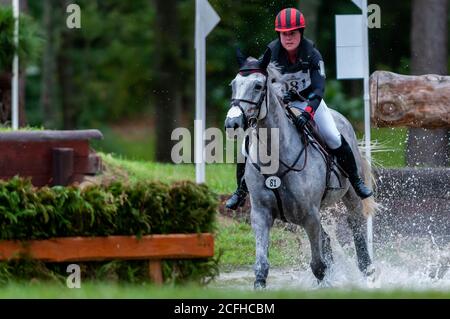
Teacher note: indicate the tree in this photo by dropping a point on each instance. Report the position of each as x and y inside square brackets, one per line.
[310, 8]
[429, 54]
[167, 86]
[48, 66]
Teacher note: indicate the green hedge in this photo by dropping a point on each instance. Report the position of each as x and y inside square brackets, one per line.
[137, 209]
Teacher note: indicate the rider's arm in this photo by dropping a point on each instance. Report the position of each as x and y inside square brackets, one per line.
[317, 71]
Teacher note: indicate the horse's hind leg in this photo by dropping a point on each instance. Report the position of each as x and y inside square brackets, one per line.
[262, 221]
[311, 224]
[357, 224]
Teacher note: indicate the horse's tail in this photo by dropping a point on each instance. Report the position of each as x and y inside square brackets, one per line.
[370, 206]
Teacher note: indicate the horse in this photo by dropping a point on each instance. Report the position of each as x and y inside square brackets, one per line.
[256, 105]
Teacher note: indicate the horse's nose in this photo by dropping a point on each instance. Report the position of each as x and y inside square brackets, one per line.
[233, 123]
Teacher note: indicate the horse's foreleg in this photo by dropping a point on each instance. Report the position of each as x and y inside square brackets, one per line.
[261, 223]
[357, 224]
[313, 228]
[326, 247]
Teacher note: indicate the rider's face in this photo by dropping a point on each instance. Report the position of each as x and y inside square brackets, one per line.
[290, 40]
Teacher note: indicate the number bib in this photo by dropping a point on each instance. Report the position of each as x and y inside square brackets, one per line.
[273, 182]
[298, 81]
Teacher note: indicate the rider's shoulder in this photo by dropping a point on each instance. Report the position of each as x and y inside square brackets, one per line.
[310, 49]
[274, 46]
[275, 43]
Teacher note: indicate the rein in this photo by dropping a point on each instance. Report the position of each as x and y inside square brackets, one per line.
[292, 167]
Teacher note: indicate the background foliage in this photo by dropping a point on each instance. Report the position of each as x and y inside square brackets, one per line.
[113, 51]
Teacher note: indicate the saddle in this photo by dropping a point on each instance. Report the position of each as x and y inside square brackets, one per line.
[316, 140]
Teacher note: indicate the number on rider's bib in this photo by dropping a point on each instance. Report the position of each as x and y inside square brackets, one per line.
[273, 182]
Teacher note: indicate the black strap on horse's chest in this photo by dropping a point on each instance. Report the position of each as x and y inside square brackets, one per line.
[276, 193]
[289, 168]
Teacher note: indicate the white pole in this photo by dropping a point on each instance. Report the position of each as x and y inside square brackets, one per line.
[15, 69]
[365, 31]
[199, 125]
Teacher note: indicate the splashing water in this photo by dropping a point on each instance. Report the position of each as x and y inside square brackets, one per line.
[413, 263]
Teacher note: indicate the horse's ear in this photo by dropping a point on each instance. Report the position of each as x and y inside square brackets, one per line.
[264, 62]
[241, 58]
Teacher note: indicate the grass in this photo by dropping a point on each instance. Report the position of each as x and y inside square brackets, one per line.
[219, 177]
[5, 128]
[389, 146]
[133, 147]
[88, 290]
[236, 241]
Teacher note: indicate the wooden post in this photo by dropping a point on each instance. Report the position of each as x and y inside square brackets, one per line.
[155, 271]
[62, 166]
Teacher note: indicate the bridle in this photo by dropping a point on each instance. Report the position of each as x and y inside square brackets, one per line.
[253, 120]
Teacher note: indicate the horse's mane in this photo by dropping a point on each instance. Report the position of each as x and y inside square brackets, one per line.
[274, 72]
[274, 80]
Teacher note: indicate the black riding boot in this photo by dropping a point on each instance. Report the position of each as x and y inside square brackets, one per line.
[346, 160]
[238, 198]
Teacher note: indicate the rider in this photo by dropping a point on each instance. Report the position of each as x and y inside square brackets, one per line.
[304, 76]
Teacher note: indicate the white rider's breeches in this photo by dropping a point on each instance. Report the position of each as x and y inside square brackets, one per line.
[325, 124]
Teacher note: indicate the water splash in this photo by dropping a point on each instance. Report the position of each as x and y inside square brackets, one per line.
[412, 263]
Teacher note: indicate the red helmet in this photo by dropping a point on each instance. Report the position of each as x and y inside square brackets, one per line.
[289, 19]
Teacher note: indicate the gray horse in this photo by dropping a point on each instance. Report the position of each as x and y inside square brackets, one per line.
[256, 103]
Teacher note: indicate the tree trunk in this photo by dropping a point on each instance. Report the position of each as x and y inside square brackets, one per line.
[412, 101]
[5, 92]
[310, 9]
[48, 65]
[65, 77]
[167, 87]
[429, 54]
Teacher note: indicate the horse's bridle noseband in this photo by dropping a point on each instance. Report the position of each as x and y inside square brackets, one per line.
[252, 121]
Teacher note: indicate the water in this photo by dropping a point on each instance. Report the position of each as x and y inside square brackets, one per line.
[409, 263]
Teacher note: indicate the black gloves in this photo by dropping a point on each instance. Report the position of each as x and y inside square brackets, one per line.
[306, 115]
[301, 120]
[291, 96]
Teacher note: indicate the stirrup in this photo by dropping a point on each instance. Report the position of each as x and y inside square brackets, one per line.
[236, 200]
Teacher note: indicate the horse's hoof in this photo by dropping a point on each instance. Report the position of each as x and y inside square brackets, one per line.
[370, 270]
[259, 285]
[324, 283]
[319, 270]
[372, 276]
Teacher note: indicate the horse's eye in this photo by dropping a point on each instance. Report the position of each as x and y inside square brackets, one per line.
[258, 87]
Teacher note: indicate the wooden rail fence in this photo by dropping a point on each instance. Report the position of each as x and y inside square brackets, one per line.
[155, 248]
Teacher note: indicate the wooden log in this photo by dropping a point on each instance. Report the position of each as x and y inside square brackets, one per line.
[155, 247]
[62, 166]
[410, 101]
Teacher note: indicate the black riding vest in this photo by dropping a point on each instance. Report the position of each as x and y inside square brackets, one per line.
[307, 75]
